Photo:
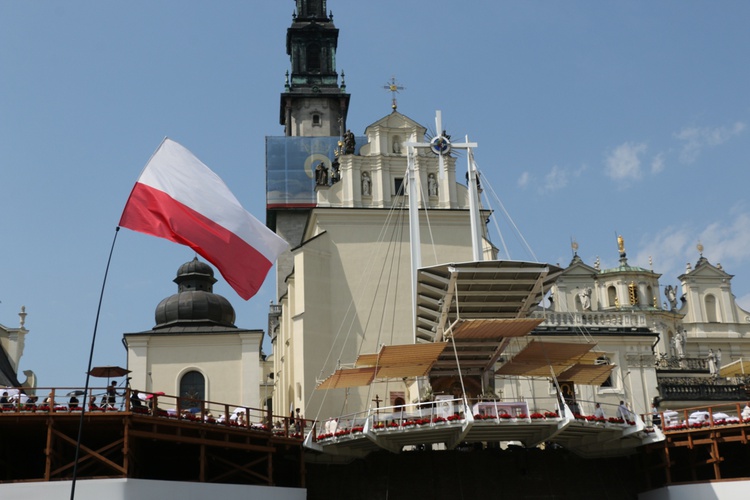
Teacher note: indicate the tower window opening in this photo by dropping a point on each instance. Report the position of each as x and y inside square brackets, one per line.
[398, 186]
[313, 58]
[612, 296]
[316, 120]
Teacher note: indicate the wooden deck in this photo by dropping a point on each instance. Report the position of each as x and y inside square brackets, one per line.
[40, 445]
[701, 449]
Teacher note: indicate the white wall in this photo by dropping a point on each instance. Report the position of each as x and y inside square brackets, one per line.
[700, 491]
[127, 489]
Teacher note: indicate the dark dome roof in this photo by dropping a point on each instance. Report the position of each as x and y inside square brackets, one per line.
[194, 304]
[195, 267]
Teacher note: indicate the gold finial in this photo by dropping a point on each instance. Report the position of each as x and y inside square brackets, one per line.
[393, 87]
[621, 244]
[700, 248]
[574, 246]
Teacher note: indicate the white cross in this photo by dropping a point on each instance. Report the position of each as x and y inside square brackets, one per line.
[441, 146]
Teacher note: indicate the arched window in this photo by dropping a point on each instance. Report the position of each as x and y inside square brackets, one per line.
[712, 311]
[612, 296]
[192, 386]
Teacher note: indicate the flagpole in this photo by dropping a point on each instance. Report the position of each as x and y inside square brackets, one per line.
[88, 375]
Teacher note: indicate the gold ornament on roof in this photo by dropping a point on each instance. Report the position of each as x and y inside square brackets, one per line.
[621, 244]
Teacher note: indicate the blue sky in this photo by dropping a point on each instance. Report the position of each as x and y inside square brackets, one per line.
[592, 117]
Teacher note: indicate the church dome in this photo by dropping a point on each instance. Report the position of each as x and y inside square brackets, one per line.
[194, 304]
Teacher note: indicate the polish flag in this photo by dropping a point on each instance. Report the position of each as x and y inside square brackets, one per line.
[179, 198]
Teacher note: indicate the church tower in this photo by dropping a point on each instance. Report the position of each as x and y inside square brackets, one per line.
[313, 103]
[313, 110]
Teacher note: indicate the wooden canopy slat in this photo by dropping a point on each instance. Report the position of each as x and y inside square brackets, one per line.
[366, 360]
[535, 359]
[348, 377]
[404, 371]
[587, 374]
[530, 369]
[494, 328]
[402, 355]
[410, 354]
[553, 352]
[735, 368]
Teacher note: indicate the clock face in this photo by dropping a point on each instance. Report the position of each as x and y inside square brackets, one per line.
[440, 145]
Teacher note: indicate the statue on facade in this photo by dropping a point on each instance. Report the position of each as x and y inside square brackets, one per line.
[397, 145]
[679, 345]
[349, 143]
[585, 298]
[335, 172]
[712, 366]
[366, 184]
[432, 187]
[321, 175]
[621, 244]
[671, 293]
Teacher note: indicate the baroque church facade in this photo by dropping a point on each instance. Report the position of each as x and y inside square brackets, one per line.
[664, 348]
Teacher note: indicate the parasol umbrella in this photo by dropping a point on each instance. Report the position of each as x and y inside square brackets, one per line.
[150, 396]
[76, 393]
[108, 372]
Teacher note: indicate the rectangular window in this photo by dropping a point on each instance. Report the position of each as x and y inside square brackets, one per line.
[398, 186]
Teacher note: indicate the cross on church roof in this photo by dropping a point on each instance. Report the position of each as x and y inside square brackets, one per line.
[393, 87]
[441, 144]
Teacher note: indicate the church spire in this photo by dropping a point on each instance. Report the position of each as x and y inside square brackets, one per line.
[311, 9]
[311, 43]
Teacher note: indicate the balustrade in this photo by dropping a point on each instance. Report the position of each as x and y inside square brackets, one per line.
[604, 319]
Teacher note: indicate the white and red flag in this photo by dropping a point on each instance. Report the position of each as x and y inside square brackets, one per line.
[179, 198]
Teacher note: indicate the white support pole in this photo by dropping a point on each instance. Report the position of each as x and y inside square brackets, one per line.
[476, 233]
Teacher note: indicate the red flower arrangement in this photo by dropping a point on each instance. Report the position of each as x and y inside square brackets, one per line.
[615, 420]
[359, 428]
[379, 425]
[676, 427]
[393, 425]
[522, 415]
[550, 414]
[504, 416]
[454, 417]
[438, 420]
[537, 416]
